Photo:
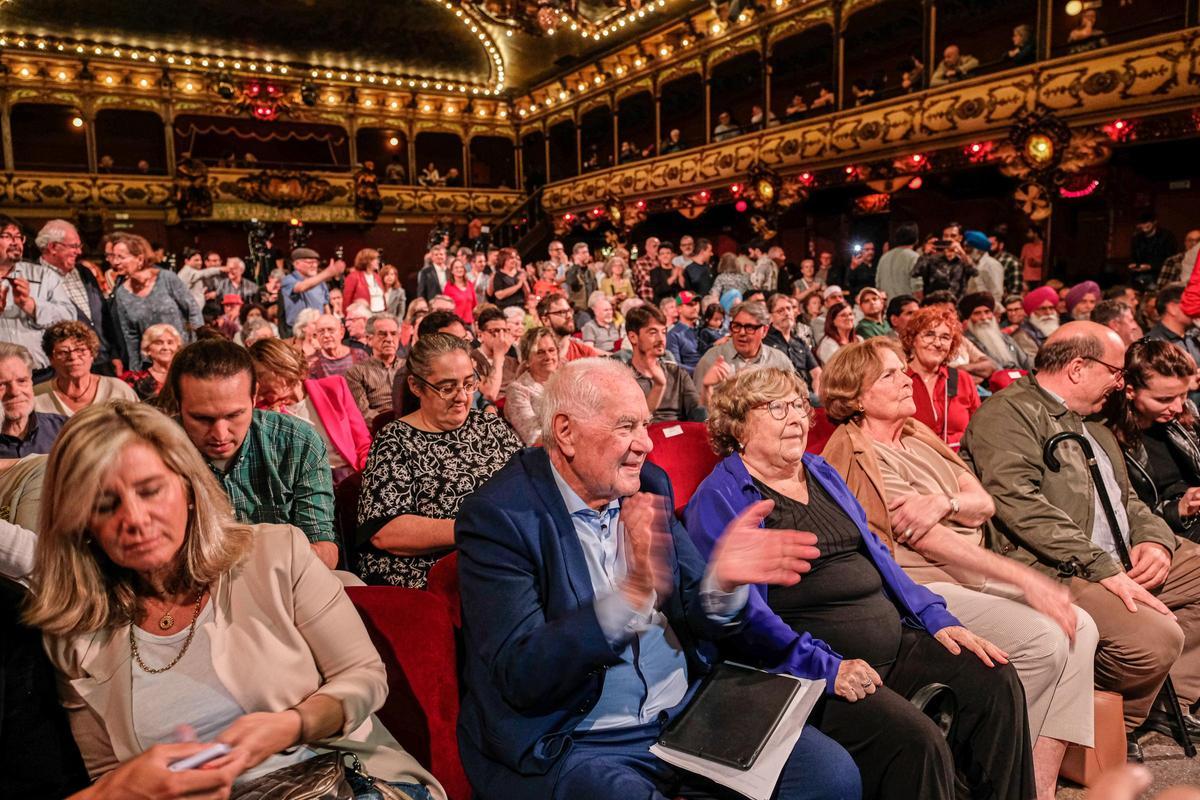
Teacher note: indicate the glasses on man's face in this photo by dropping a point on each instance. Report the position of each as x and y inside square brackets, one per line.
[745, 327]
[448, 390]
[1113, 371]
[779, 408]
[69, 245]
[68, 354]
[562, 312]
[495, 330]
[13, 235]
[930, 337]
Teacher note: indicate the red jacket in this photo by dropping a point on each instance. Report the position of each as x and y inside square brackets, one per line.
[1190, 302]
[355, 288]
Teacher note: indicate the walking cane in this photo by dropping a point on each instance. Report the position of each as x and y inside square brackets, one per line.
[1168, 688]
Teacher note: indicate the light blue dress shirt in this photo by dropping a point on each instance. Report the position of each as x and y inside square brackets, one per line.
[652, 675]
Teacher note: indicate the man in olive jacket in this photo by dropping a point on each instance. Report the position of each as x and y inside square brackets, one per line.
[1149, 618]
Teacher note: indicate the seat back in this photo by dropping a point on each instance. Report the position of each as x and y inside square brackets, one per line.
[345, 517]
[683, 451]
[443, 582]
[413, 633]
[819, 433]
[381, 419]
[1001, 378]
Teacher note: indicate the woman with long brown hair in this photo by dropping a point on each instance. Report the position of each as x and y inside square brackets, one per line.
[363, 282]
[1156, 427]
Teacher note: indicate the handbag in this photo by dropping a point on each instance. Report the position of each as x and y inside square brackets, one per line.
[323, 777]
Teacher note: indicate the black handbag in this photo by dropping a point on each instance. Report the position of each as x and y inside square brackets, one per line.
[323, 777]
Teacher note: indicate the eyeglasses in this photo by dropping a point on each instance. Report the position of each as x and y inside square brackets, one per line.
[562, 312]
[16, 237]
[69, 246]
[745, 327]
[779, 408]
[1115, 372]
[66, 355]
[929, 337]
[448, 390]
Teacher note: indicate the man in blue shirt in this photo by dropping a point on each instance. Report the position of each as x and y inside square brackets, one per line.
[305, 286]
[588, 612]
[23, 431]
[683, 338]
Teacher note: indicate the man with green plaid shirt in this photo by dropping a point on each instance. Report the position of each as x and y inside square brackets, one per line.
[273, 467]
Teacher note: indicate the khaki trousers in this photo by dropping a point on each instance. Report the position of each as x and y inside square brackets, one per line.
[1056, 673]
[1137, 651]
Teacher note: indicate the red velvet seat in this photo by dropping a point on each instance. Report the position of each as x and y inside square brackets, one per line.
[415, 638]
[1003, 377]
[443, 582]
[682, 449]
[818, 435]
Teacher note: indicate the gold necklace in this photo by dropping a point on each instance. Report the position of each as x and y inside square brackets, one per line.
[133, 648]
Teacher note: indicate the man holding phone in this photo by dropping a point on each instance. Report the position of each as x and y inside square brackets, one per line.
[947, 268]
[32, 298]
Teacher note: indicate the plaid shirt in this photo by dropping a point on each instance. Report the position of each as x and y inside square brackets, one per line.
[1012, 273]
[641, 277]
[1172, 270]
[281, 475]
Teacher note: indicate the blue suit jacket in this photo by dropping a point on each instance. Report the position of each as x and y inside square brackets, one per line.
[766, 640]
[534, 651]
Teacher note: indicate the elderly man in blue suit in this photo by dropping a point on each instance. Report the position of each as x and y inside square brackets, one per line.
[589, 614]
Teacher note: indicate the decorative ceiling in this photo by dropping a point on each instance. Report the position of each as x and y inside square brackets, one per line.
[477, 42]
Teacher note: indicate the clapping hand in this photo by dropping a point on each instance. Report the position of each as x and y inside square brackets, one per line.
[747, 553]
[647, 542]
[22, 298]
[1189, 503]
[719, 371]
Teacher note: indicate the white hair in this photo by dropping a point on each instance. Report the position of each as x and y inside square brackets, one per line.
[306, 317]
[229, 262]
[595, 297]
[52, 232]
[579, 388]
[156, 332]
[514, 314]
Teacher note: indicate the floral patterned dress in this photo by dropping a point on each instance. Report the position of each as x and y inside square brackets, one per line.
[429, 474]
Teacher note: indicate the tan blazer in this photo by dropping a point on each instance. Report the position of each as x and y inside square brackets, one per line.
[282, 630]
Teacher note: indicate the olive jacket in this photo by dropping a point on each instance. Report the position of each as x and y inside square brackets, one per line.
[1044, 518]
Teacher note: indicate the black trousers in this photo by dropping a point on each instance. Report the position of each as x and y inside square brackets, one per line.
[902, 755]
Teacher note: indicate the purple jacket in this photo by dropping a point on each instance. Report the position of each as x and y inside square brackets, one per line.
[766, 640]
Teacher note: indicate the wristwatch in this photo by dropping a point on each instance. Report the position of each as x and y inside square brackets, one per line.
[954, 505]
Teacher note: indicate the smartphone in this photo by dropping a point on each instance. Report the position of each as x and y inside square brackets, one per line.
[200, 759]
[857, 249]
[941, 244]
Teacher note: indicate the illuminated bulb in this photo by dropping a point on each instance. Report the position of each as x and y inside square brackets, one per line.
[368, 103]
[394, 141]
[62, 76]
[77, 122]
[108, 79]
[189, 86]
[331, 98]
[24, 73]
[1074, 8]
[393, 105]
[427, 108]
[144, 83]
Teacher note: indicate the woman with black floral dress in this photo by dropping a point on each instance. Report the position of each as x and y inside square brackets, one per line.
[424, 464]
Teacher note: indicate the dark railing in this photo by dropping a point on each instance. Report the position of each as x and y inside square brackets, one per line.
[513, 227]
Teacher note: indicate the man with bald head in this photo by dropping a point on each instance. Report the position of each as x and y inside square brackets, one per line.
[1148, 617]
[587, 609]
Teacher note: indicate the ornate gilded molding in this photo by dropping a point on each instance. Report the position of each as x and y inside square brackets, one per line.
[693, 66]
[637, 87]
[795, 25]
[749, 43]
[1159, 74]
[146, 197]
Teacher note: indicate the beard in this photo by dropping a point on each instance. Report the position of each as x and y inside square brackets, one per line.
[992, 341]
[1047, 325]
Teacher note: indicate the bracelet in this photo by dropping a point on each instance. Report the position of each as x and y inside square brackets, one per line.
[301, 739]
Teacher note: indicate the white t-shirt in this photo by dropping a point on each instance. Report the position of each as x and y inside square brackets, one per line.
[378, 302]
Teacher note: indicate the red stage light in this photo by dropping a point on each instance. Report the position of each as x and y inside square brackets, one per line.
[915, 183]
[640, 204]
[977, 147]
[736, 189]
[917, 158]
[741, 206]
[704, 195]
[568, 217]
[850, 170]
[806, 177]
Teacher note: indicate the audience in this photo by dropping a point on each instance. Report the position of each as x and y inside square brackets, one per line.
[73, 347]
[1155, 425]
[423, 465]
[25, 429]
[783, 337]
[85, 286]
[148, 296]
[945, 397]
[160, 343]
[979, 326]
[924, 502]
[602, 331]
[282, 385]
[1041, 320]
[1063, 531]
[493, 357]
[214, 599]
[539, 359]
[856, 619]
[670, 391]
[273, 467]
[1118, 316]
[683, 338]
[954, 67]
[332, 357]
[559, 641]
[838, 331]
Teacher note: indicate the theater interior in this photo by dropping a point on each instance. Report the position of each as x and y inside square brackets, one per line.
[257, 127]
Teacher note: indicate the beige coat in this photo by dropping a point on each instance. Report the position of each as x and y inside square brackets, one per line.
[282, 630]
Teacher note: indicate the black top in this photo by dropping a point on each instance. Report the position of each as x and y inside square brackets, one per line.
[501, 281]
[841, 601]
[427, 474]
[1168, 470]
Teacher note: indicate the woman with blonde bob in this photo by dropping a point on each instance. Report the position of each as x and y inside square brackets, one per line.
[856, 620]
[159, 610]
[929, 509]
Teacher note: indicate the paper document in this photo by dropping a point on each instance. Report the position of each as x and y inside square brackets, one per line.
[758, 782]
